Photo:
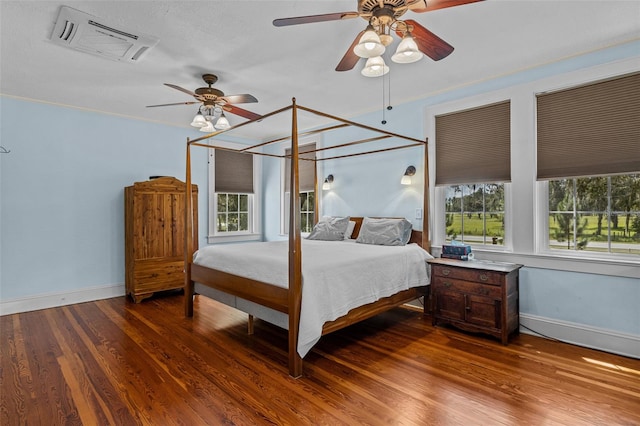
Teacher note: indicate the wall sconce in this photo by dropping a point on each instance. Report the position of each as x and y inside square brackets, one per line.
[327, 183]
[406, 179]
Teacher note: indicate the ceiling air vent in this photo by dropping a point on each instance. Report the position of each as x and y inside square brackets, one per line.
[87, 33]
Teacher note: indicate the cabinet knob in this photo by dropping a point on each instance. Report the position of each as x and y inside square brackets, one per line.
[484, 277]
[446, 272]
[447, 284]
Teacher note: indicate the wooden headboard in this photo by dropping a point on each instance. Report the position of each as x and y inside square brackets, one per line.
[416, 236]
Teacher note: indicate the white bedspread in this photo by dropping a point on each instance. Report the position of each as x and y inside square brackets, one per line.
[337, 276]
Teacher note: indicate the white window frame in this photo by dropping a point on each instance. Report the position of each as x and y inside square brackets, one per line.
[255, 205]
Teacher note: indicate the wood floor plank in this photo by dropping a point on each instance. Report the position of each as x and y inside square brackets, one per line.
[114, 362]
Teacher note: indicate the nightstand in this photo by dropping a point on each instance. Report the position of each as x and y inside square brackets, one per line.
[475, 295]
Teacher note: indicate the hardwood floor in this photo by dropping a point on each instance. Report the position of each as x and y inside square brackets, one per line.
[112, 362]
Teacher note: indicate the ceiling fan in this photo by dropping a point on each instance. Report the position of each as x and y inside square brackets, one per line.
[214, 104]
[383, 18]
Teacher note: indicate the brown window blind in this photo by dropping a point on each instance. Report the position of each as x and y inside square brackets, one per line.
[474, 146]
[233, 172]
[590, 130]
[306, 169]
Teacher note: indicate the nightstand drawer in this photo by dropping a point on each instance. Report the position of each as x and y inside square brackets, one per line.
[478, 275]
[470, 287]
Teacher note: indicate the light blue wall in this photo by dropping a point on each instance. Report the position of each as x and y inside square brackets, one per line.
[62, 201]
[600, 301]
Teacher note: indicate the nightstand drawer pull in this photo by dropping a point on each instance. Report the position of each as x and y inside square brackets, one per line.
[484, 277]
[446, 272]
[447, 284]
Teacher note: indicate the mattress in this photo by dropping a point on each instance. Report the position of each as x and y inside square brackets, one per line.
[337, 276]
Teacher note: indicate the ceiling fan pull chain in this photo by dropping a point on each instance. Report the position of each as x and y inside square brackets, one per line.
[383, 119]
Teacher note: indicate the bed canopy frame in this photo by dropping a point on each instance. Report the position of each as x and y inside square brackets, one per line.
[283, 299]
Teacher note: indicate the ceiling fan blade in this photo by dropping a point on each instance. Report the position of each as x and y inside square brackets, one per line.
[350, 59]
[178, 103]
[240, 99]
[419, 6]
[188, 92]
[241, 112]
[283, 22]
[428, 43]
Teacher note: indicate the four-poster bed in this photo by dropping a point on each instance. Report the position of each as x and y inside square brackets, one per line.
[284, 301]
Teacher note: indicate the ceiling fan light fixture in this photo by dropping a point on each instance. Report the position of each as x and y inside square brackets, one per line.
[375, 67]
[407, 51]
[207, 128]
[369, 45]
[222, 123]
[199, 120]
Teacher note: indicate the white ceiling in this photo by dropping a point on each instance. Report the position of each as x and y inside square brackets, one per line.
[236, 41]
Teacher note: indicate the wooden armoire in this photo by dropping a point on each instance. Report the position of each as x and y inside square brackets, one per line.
[155, 235]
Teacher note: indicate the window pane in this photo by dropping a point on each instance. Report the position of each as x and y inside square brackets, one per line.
[244, 203]
[222, 202]
[244, 222]
[311, 201]
[232, 202]
[222, 222]
[233, 223]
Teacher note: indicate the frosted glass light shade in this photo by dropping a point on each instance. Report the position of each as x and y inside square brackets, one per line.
[375, 67]
[207, 128]
[407, 51]
[369, 44]
[222, 123]
[199, 120]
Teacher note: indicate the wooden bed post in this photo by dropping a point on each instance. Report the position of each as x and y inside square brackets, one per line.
[426, 239]
[188, 239]
[295, 255]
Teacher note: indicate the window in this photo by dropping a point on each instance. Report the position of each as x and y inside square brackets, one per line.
[473, 164]
[588, 165]
[599, 214]
[475, 213]
[233, 204]
[307, 181]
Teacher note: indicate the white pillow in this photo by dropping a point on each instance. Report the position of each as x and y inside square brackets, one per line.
[348, 233]
[385, 232]
[330, 230]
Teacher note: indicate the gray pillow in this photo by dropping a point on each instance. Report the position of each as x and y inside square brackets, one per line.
[385, 232]
[332, 229]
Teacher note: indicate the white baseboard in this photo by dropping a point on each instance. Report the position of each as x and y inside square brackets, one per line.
[582, 335]
[52, 300]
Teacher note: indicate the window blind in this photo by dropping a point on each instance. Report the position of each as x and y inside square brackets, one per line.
[474, 146]
[590, 130]
[306, 169]
[233, 172]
